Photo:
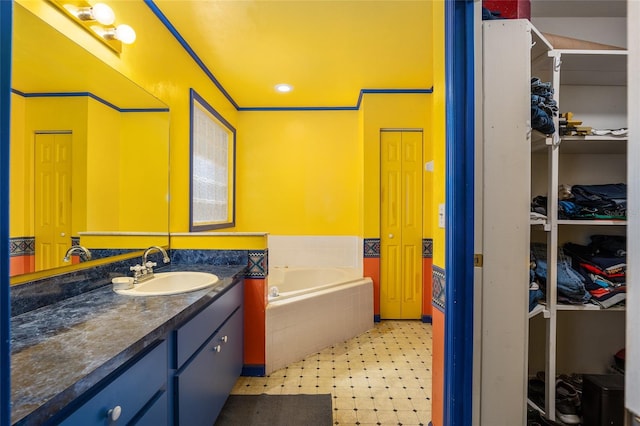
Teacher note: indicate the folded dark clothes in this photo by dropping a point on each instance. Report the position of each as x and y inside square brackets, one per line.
[571, 210]
[607, 195]
[598, 271]
[586, 254]
[611, 301]
[609, 245]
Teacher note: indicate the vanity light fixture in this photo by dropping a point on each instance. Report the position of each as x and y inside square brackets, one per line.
[98, 12]
[122, 32]
[284, 88]
[99, 20]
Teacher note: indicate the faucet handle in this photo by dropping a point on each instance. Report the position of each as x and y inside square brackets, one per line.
[136, 268]
[149, 265]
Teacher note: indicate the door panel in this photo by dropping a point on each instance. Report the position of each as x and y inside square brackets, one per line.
[401, 225]
[52, 198]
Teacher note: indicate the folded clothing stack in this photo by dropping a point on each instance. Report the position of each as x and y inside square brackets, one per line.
[607, 201]
[543, 106]
[603, 265]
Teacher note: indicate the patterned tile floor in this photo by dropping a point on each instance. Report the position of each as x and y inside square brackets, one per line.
[382, 377]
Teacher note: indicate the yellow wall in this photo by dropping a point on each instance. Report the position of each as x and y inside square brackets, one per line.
[392, 111]
[103, 159]
[143, 164]
[298, 173]
[146, 63]
[438, 132]
[19, 224]
[58, 114]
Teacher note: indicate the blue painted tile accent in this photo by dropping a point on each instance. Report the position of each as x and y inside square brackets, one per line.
[258, 264]
[372, 247]
[46, 291]
[427, 319]
[376, 318]
[22, 246]
[439, 284]
[210, 257]
[427, 248]
[253, 371]
[102, 253]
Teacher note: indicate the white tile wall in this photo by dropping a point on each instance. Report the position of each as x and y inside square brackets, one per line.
[315, 251]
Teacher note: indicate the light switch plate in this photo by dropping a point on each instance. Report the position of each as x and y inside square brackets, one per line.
[441, 214]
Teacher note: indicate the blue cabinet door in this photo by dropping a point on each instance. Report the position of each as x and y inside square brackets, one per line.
[204, 384]
[127, 395]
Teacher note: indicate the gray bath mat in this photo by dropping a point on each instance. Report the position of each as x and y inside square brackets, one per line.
[276, 410]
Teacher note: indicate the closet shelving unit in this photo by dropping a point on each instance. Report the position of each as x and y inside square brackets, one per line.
[578, 160]
[514, 164]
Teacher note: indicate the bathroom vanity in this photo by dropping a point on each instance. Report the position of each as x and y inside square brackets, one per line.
[102, 358]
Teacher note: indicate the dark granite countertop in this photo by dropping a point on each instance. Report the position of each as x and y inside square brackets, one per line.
[61, 350]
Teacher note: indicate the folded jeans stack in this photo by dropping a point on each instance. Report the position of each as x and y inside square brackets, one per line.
[543, 106]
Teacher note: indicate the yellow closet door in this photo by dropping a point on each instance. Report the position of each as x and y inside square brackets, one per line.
[401, 225]
[52, 198]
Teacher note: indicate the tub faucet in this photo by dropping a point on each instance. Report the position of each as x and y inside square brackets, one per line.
[82, 250]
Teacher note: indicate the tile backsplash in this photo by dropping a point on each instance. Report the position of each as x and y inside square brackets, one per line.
[315, 251]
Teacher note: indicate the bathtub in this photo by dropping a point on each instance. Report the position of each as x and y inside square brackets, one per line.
[310, 309]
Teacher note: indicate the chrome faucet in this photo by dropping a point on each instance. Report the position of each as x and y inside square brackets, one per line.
[147, 252]
[83, 251]
[145, 271]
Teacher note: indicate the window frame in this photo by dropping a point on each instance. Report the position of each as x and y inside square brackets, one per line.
[198, 102]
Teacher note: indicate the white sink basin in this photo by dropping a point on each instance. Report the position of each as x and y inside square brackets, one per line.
[166, 283]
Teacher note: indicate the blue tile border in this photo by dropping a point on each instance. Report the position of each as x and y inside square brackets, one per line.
[427, 248]
[258, 264]
[22, 246]
[439, 285]
[372, 247]
[209, 256]
[427, 319]
[376, 318]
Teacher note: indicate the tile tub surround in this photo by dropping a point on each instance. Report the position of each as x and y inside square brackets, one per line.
[61, 350]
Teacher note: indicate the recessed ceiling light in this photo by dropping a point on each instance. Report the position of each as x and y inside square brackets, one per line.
[284, 88]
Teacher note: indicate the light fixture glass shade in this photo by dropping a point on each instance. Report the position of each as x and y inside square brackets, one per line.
[283, 88]
[103, 14]
[125, 34]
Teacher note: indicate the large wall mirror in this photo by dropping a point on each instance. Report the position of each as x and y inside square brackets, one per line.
[89, 155]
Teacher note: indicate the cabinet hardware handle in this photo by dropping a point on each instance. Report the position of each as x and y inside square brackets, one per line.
[224, 339]
[217, 348]
[114, 413]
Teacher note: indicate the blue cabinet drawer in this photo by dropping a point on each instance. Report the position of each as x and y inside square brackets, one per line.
[129, 393]
[205, 382]
[194, 333]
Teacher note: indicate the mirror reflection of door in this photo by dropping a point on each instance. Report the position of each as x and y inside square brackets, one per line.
[52, 198]
[401, 224]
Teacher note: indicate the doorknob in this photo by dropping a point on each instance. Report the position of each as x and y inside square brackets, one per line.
[62, 234]
[390, 235]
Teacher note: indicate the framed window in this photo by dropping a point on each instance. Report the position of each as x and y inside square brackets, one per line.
[213, 154]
